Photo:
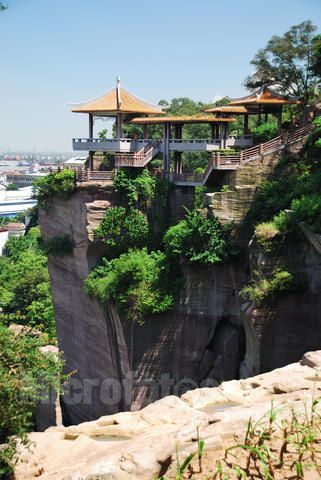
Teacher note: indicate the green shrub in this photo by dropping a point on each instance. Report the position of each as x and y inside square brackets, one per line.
[225, 188]
[59, 245]
[25, 374]
[137, 185]
[199, 196]
[137, 281]
[61, 185]
[12, 186]
[200, 239]
[25, 295]
[121, 229]
[268, 234]
[266, 289]
[264, 132]
[308, 209]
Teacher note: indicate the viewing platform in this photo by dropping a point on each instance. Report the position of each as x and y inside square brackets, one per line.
[127, 145]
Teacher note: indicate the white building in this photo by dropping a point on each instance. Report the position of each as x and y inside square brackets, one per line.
[13, 202]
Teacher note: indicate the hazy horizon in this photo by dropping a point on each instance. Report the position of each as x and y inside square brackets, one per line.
[57, 53]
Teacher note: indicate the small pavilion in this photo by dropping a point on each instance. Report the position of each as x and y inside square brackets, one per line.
[117, 103]
[262, 102]
[176, 123]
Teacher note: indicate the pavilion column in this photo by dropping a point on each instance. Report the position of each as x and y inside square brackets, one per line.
[145, 132]
[213, 130]
[280, 119]
[119, 125]
[246, 124]
[217, 131]
[178, 155]
[225, 134]
[259, 117]
[266, 118]
[221, 136]
[91, 136]
[166, 161]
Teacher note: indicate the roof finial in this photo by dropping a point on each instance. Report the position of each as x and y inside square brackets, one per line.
[118, 93]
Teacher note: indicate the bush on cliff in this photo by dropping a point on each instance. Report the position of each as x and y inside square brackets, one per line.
[267, 289]
[25, 373]
[138, 282]
[200, 239]
[61, 184]
[122, 229]
[138, 186]
[25, 295]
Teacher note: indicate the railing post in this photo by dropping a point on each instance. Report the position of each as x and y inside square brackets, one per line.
[261, 151]
[218, 159]
[241, 157]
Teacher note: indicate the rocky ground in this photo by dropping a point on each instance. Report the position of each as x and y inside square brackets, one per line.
[145, 444]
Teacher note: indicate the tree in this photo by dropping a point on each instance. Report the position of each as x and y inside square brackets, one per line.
[25, 374]
[285, 63]
[2, 7]
[316, 61]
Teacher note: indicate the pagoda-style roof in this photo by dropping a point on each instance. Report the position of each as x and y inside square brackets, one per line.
[265, 96]
[237, 110]
[117, 101]
[181, 119]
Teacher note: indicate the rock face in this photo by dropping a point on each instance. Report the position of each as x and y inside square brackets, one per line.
[290, 324]
[142, 444]
[210, 336]
[117, 365]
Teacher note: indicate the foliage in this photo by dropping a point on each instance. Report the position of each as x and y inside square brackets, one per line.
[12, 186]
[24, 284]
[121, 229]
[316, 56]
[25, 375]
[137, 281]
[200, 239]
[268, 234]
[295, 186]
[137, 185]
[199, 193]
[266, 289]
[286, 62]
[59, 245]
[307, 209]
[264, 132]
[61, 184]
[225, 188]
[281, 444]
[2, 6]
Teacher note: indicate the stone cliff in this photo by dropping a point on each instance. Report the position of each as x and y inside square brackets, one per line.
[199, 342]
[210, 336]
[145, 444]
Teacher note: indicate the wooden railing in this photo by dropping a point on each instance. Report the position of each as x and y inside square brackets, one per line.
[85, 175]
[139, 158]
[219, 160]
[187, 178]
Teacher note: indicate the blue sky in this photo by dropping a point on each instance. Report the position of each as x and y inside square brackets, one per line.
[54, 52]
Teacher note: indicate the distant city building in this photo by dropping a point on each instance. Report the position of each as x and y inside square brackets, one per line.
[24, 179]
[75, 162]
[15, 201]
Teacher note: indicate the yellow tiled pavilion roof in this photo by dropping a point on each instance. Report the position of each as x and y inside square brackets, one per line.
[265, 96]
[228, 109]
[117, 100]
[182, 119]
